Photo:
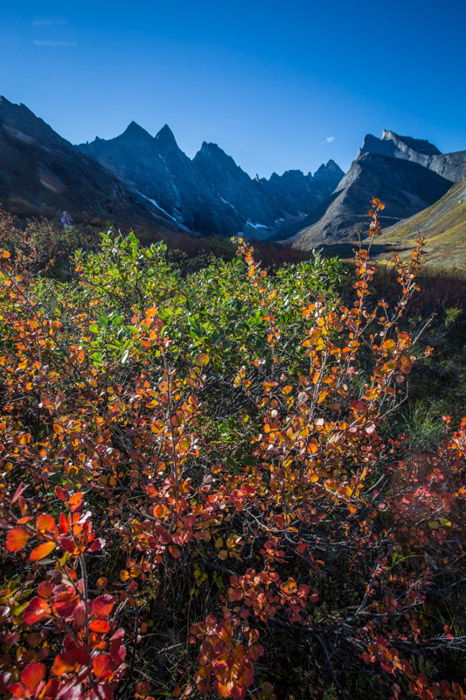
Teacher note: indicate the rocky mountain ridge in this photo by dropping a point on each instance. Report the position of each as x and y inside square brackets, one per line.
[41, 174]
[144, 180]
[210, 193]
[407, 174]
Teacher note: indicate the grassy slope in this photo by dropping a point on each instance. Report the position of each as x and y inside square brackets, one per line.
[444, 226]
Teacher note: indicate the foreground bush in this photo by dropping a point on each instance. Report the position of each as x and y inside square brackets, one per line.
[198, 494]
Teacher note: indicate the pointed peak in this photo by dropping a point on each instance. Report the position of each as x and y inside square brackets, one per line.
[330, 167]
[135, 131]
[165, 137]
[134, 126]
[213, 152]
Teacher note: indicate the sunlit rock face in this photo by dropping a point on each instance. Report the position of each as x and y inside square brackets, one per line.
[407, 174]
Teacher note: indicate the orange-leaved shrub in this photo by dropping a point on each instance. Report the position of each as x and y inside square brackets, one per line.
[156, 546]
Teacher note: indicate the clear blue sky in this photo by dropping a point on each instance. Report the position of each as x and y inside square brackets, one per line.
[277, 84]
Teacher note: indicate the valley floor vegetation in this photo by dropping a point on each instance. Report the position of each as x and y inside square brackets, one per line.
[235, 481]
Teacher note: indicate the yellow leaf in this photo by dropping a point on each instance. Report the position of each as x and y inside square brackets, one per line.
[322, 396]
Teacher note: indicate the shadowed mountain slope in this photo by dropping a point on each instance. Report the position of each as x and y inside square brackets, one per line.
[42, 174]
[210, 193]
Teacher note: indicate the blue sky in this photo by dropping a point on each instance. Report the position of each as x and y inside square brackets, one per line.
[278, 84]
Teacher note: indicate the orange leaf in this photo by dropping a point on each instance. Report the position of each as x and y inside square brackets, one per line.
[101, 666]
[42, 550]
[45, 523]
[16, 539]
[75, 501]
[63, 663]
[159, 511]
[99, 626]
[322, 396]
[33, 675]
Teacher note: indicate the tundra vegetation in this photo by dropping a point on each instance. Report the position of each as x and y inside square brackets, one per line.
[219, 483]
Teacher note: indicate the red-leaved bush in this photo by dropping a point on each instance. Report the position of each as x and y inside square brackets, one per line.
[147, 553]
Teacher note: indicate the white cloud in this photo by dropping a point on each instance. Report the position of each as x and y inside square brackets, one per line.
[38, 42]
[329, 139]
[50, 22]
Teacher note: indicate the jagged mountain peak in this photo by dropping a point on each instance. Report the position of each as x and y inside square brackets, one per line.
[212, 153]
[330, 167]
[136, 131]
[420, 145]
[41, 174]
[213, 149]
[166, 138]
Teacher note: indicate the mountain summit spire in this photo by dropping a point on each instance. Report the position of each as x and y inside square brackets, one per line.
[165, 137]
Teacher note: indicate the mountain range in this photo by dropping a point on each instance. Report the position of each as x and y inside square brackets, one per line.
[407, 174]
[144, 180]
[210, 193]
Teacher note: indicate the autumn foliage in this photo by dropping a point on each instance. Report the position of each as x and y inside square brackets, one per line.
[200, 507]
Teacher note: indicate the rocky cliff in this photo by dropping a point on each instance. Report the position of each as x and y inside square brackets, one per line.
[210, 193]
[407, 174]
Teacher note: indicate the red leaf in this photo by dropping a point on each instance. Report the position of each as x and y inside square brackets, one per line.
[97, 545]
[17, 690]
[45, 589]
[64, 524]
[35, 611]
[67, 544]
[79, 615]
[42, 550]
[19, 492]
[102, 606]
[102, 666]
[117, 650]
[16, 539]
[33, 675]
[174, 551]
[61, 493]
